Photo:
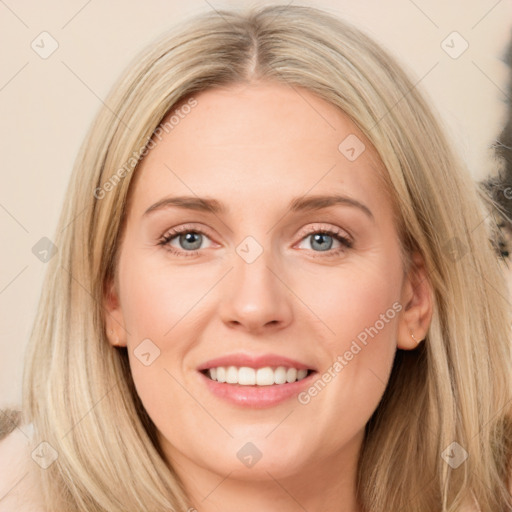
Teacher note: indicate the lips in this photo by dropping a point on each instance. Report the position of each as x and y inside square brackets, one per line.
[254, 361]
[256, 381]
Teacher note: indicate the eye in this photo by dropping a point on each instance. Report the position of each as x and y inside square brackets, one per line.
[321, 241]
[188, 240]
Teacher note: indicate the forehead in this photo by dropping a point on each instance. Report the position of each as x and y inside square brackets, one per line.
[259, 142]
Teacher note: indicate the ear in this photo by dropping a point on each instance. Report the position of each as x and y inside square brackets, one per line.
[417, 299]
[114, 321]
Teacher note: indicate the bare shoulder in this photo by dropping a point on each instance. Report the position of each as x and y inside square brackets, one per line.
[19, 488]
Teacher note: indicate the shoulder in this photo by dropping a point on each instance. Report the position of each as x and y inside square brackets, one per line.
[19, 488]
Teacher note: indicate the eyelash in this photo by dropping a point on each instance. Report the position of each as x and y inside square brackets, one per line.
[345, 242]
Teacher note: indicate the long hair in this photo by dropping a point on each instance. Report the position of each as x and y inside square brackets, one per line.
[454, 388]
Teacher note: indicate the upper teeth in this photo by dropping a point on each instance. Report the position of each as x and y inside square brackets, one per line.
[261, 377]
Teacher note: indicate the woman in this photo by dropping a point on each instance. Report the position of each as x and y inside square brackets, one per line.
[336, 336]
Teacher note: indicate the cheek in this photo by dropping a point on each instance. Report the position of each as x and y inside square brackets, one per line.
[360, 306]
[160, 310]
[353, 297]
[158, 296]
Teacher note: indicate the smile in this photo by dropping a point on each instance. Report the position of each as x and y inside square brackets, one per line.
[247, 376]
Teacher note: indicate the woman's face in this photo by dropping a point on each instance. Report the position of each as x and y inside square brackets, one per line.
[288, 259]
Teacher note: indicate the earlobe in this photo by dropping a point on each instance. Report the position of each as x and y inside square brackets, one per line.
[415, 340]
[417, 295]
[112, 336]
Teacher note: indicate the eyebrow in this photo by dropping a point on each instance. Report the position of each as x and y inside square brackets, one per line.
[298, 204]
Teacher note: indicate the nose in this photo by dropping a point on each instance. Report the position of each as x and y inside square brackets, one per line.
[256, 298]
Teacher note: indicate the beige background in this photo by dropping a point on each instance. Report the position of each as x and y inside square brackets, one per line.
[47, 105]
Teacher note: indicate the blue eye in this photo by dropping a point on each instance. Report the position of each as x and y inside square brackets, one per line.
[323, 241]
[189, 241]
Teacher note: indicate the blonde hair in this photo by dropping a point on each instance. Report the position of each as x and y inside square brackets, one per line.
[455, 387]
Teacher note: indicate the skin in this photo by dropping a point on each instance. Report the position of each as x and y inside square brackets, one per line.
[254, 148]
